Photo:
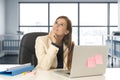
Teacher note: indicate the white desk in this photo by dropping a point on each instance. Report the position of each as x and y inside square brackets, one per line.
[111, 74]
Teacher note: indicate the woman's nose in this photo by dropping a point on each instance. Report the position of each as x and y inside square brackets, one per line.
[57, 25]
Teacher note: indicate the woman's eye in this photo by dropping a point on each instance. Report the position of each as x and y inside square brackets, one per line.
[55, 22]
[62, 25]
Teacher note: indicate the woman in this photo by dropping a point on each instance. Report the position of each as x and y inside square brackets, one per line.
[55, 49]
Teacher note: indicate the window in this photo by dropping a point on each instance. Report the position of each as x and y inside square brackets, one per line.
[75, 35]
[93, 23]
[34, 29]
[113, 17]
[68, 9]
[90, 21]
[93, 14]
[92, 35]
[33, 16]
[113, 14]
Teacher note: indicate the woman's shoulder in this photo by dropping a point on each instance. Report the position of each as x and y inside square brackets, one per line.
[42, 38]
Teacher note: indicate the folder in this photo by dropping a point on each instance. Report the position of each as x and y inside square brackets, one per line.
[17, 69]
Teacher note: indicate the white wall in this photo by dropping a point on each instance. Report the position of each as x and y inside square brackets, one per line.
[2, 16]
[119, 15]
[11, 16]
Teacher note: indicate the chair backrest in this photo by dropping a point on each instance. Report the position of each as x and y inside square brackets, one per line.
[27, 48]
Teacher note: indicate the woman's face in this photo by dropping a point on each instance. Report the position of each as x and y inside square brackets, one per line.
[60, 27]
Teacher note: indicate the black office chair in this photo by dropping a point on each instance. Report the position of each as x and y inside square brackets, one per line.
[27, 48]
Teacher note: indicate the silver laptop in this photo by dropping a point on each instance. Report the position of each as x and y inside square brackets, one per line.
[87, 61]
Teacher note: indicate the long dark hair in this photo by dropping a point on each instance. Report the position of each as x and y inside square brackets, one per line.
[68, 40]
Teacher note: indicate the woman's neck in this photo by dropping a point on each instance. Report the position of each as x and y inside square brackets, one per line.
[60, 41]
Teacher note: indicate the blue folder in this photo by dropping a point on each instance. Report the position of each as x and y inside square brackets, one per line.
[18, 70]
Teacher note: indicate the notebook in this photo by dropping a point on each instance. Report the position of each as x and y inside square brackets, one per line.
[14, 69]
[87, 61]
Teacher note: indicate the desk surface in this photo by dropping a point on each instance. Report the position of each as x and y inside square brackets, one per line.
[111, 74]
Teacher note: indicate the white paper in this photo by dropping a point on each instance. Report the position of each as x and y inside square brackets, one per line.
[4, 67]
[8, 67]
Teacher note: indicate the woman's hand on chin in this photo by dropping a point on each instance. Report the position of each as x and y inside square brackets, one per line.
[53, 37]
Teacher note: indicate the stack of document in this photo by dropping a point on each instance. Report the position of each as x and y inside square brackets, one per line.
[14, 69]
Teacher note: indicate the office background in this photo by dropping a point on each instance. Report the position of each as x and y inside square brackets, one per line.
[91, 19]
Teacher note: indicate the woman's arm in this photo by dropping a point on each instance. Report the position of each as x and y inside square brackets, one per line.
[45, 55]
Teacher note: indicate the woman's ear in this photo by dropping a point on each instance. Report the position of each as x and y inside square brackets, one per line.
[66, 32]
